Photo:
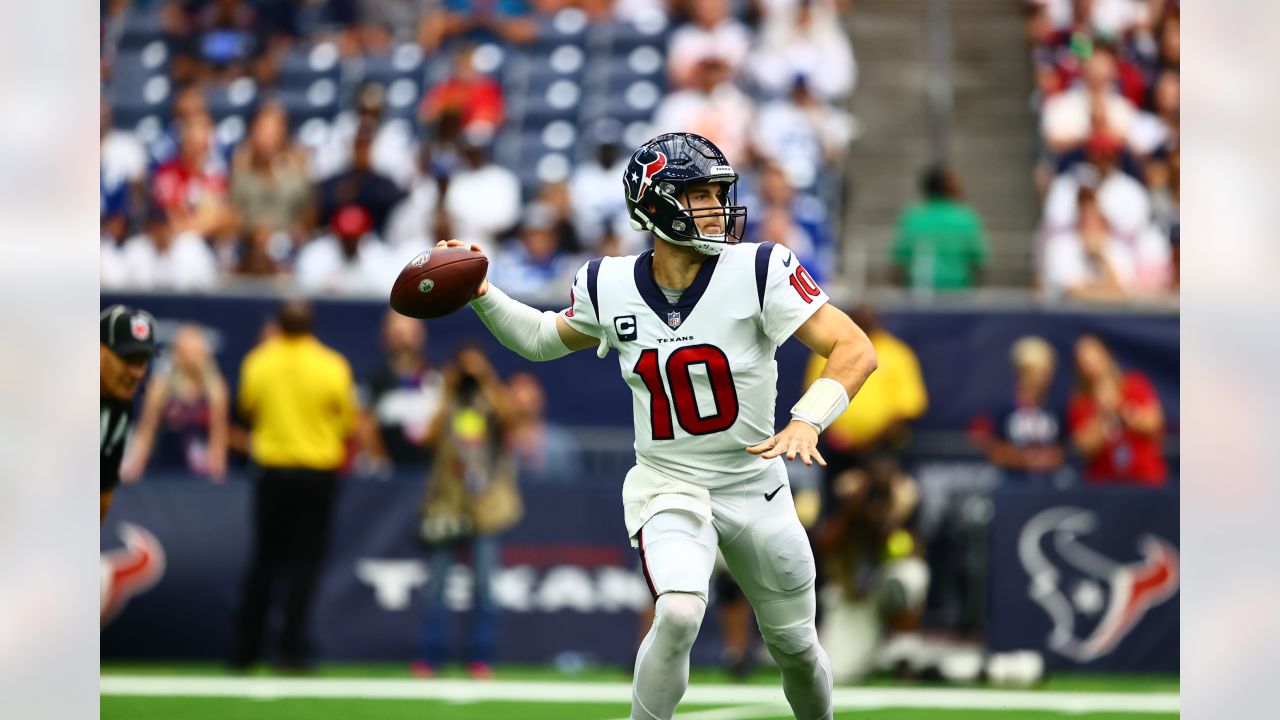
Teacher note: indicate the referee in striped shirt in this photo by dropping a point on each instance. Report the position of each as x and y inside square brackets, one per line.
[127, 341]
[300, 401]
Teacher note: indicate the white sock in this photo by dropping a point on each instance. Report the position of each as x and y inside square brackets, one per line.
[662, 664]
[806, 681]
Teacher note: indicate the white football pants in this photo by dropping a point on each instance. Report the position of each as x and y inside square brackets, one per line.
[754, 524]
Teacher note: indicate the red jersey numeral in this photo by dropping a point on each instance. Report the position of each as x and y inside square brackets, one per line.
[719, 376]
[803, 283]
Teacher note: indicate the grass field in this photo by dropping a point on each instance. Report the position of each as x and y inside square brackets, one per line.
[385, 692]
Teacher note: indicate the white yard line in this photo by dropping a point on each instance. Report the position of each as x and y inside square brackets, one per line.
[733, 713]
[589, 692]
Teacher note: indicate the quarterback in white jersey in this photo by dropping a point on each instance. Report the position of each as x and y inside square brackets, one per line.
[695, 323]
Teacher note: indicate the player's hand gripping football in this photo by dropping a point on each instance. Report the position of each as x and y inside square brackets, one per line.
[796, 439]
[484, 284]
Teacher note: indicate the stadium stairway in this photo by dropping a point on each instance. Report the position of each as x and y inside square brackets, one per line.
[989, 131]
[993, 133]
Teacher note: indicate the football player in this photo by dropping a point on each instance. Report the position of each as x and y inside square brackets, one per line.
[695, 323]
[127, 341]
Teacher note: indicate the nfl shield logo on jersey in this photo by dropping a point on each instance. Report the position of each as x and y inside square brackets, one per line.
[674, 319]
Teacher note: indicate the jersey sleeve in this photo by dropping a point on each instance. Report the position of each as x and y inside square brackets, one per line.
[583, 313]
[788, 293]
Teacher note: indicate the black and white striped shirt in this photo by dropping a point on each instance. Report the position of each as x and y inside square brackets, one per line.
[115, 420]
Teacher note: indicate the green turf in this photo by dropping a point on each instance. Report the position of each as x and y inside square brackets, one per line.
[1058, 681]
[138, 708]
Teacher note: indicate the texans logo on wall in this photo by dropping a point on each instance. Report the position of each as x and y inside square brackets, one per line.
[1093, 601]
[130, 570]
[1090, 577]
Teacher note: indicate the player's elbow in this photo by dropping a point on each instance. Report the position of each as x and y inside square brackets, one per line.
[534, 351]
[867, 359]
[528, 353]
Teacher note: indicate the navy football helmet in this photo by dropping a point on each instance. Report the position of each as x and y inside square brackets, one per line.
[656, 184]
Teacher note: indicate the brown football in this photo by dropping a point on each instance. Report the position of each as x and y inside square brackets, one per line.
[438, 282]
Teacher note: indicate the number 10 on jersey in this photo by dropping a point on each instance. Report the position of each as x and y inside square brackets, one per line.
[680, 378]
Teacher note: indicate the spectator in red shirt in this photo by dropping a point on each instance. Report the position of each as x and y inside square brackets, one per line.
[192, 187]
[476, 97]
[1116, 420]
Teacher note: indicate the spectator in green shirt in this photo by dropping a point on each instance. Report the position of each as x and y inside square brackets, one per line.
[940, 242]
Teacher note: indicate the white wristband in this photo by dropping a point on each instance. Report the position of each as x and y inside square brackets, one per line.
[823, 402]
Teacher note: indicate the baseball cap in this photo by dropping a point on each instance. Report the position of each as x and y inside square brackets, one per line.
[127, 331]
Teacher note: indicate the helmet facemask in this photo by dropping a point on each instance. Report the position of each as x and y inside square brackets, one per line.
[681, 224]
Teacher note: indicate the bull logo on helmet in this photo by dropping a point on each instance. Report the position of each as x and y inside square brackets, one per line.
[640, 181]
[1092, 600]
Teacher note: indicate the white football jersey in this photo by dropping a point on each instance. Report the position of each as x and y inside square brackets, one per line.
[702, 371]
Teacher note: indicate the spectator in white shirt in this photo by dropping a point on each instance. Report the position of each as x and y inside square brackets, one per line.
[1159, 128]
[1111, 18]
[1088, 262]
[806, 40]
[801, 134]
[482, 198]
[161, 259]
[414, 222]
[713, 33]
[111, 270]
[713, 107]
[1123, 200]
[1068, 117]
[123, 159]
[596, 201]
[349, 260]
[391, 154]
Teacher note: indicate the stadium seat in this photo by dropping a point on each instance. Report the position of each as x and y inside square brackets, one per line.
[506, 148]
[405, 61]
[313, 132]
[237, 98]
[128, 117]
[132, 70]
[231, 129]
[557, 136]
[136, 92]
[634, 102]
[625, 35]
[141, 27]
[642, 60]
[403, 96]
[569, 26]
[303, 66]
[621, 76]
[559, 101]
[489, 58]
[319, 100]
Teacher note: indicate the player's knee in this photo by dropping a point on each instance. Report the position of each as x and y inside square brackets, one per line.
[788, 625]
[678, 616]
[795, 645]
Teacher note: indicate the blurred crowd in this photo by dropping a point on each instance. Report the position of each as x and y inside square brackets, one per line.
[322, 143]
[1107, 96]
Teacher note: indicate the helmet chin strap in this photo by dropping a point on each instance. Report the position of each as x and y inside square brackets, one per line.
[705, 247]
